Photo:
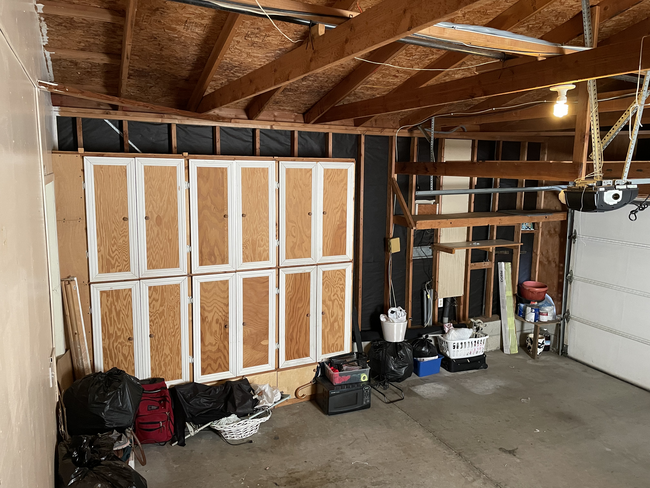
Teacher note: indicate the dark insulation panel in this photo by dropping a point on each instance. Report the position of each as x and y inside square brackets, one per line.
[345, 146]
[66, 132]
[275, 143]
[148, 137]
[102, 135]
[312, 145]
[236, 141]
[195, 139]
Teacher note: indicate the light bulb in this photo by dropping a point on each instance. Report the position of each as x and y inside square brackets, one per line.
[560, 109]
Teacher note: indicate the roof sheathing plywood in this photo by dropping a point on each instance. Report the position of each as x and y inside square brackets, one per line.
[117, 5]
[625, 20]
[543, 21]
[83, 35]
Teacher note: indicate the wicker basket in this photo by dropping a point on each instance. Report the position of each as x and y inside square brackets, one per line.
[462, 349]
[241, 429]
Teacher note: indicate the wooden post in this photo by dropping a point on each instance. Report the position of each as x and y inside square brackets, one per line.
[330, 136]
[389, 220]
[294, 143]
[216, 139]
[516, 251]
[256, 142]
[408, 294]
[358, 263]
[125, 136]
[172, 138]
[80, 135]
[489, 275]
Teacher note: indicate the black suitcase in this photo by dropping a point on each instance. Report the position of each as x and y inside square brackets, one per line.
[465, 364]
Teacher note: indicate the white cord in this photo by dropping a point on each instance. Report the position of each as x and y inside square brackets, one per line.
[274, 25]
[424, 69]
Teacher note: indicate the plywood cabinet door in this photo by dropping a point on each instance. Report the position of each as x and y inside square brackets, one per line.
[212, 207]
[298, 288]
[214, 326]
[116, 325]
[255, 321]
[298, 213]
[162, 233]
[256, 232]
[111, 218]
[164, 330]
[336, 212]
[334, 309]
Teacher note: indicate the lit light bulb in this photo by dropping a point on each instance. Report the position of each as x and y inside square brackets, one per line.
[560, 109]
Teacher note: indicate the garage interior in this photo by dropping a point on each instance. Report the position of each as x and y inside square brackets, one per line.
[245, 196]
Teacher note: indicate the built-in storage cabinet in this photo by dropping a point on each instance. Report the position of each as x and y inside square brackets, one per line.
[111, 218]
[213, 215]
[298, 213]
[334, 309]
[141, 327]
[255, 202]
[298, 318]
[214, 326]
[336, 212]
[161, 217]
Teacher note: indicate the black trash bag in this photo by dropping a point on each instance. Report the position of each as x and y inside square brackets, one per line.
[390, 361]
[102, 402]
[241, 400]
[423, 348]
[89, 462]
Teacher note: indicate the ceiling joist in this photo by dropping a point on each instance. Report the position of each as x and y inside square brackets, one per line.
[127, 42]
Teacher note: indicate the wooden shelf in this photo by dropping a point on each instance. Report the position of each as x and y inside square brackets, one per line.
[452, 247]
[548, 322]
[479, 218]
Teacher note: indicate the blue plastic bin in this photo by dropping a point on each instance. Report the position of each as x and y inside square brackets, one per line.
[427, 368]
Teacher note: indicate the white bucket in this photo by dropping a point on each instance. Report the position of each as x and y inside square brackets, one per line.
[393, 331]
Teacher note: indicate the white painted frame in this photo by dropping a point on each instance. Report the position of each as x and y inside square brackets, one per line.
[349, 241]
[179, 164]
[270, 365]
[270, 165]
[91, 218]
[144, 329]
[194, 216]
[232, 328]
[313, 278]
[96, 307]
[348, 308]
[315, 232]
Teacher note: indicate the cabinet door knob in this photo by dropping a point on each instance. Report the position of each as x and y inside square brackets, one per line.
[151, 336]
[243, 324]
[307, 315]
[125, 219]
[309, 213]
[243, 215]
[146, 217]
[130, 339]
[322, 313]
[225, 326]
[324, 212]
[225, 216]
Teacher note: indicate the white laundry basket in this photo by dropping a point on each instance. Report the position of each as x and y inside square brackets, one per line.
[393, 331]
[462, 349]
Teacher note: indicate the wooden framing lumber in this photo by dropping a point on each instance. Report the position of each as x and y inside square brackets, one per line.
[86, 56]
[65, 9]
[479, 218]
[217, 54]
[127, 41]
[408, 291]
[390, 220]
[402, 202]
[376, 27]
[601, 62]
[359, 168]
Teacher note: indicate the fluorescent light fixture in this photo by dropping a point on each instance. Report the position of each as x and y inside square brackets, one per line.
[560, 109]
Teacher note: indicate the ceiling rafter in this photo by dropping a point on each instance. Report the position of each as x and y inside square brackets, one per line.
[52, 7]
[127, 43]
[217, 54]
[374, 28]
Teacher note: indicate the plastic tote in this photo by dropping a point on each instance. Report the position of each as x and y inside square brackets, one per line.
[426, 366]
[393, 331]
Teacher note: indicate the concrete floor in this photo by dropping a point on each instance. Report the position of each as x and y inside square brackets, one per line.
[551, 423]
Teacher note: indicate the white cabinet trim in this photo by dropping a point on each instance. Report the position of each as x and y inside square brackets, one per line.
[232, 329]
[194, 216]
[179, 164]
[313, 296]
[91, 218]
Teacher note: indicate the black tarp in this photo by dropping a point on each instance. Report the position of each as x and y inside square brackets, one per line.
[312, 144]
[195, 139]
[236, 141]
[148, 137]
[275, 143]
[101, 135]
[66, 132]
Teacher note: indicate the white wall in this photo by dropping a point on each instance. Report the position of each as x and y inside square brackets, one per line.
[27, 401]
[609, 300]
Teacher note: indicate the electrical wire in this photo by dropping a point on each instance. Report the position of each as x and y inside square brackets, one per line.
[640, 207]
[425, 69]
[274, 24]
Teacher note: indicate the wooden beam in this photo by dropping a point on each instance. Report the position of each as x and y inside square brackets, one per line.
[408, 290]
[583, 112]
[353, 80]
[219, 51]
[80, 134]
[127, 41]
[390, 218]
[125, 136]
[256, 142]
[358, 214]
[173, 141]
[294, 143]
[86, 56]
[376, 27]
[597, 63]
[329, 136]
[479, 219]
[216, 139]
[402, 202]
[120, 101]
[564, 33]
[65, 9]
[636, 31]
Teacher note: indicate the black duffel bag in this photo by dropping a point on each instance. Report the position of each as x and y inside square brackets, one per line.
[391, 361]
[101, 402]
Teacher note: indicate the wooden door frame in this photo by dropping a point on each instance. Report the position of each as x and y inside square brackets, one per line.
[91, 218]
[179, 163]
[194, 164]
[232, 330]
[315, 231]
[270, 166]
[96, 312]
[313, 279]
[349, 238]
[348, 308]
[144, 329]
[240, 276]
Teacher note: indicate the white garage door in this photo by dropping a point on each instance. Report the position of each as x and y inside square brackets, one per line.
[610, 295]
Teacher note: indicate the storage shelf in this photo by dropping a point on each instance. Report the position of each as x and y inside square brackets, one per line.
[548, 322]
[480, 218]
[452, 247]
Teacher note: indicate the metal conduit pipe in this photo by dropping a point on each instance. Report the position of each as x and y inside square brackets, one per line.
[489, 191]
[565, 282]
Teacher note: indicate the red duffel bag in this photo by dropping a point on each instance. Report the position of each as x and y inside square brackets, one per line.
[154, 420]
